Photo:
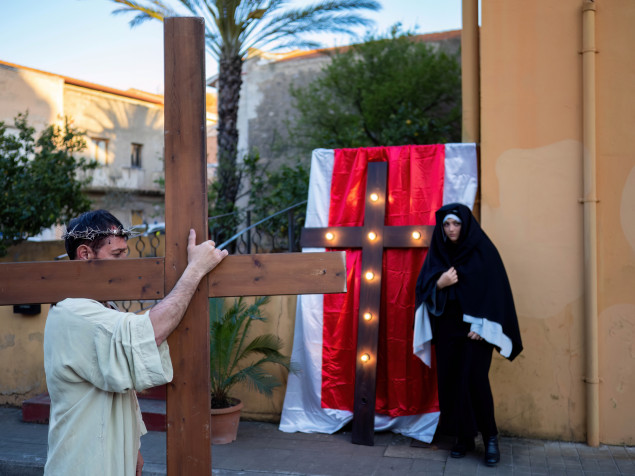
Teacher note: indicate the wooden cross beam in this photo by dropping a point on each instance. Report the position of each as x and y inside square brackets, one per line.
[373, 238]
[188, 395]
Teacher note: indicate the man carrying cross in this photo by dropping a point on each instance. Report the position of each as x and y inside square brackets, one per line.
[96, 357]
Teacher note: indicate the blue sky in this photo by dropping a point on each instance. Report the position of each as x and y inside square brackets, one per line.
[82, 39]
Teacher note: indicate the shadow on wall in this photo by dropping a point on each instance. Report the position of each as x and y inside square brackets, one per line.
[23, 90]
[127, 127]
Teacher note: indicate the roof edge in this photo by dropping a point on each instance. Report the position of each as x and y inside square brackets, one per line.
[132, 94]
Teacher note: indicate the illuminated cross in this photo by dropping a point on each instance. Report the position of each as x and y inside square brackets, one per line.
[188, 395]
[372, 238]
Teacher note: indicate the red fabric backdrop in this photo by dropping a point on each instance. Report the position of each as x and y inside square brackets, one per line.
[405, 386]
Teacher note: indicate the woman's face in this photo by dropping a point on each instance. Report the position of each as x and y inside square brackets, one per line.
[452, 229]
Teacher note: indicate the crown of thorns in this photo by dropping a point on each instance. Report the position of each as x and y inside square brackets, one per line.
[91, 234]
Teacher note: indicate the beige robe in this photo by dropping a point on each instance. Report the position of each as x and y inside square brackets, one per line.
[95, 359]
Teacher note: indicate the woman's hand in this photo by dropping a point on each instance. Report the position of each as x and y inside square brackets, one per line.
[447, 279]
[474, 336]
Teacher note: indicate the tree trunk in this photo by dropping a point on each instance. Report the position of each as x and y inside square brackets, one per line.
[229, 83]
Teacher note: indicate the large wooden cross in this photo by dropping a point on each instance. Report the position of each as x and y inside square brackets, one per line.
[372, 238]
[188, 395]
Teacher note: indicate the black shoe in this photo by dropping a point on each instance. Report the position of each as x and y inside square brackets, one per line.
[461, 447]
[492, 453]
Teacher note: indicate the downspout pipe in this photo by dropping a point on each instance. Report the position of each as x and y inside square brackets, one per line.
[470, 77]
[589, 202]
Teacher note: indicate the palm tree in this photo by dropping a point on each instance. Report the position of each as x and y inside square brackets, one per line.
[232, 27]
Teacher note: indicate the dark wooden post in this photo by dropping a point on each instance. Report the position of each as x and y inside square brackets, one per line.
[369, 302]
[188, 395]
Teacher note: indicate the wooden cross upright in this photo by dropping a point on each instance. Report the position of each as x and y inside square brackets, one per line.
[372, 238]
[188, 395]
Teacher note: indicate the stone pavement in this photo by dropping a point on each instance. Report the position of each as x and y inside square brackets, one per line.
[261, 449]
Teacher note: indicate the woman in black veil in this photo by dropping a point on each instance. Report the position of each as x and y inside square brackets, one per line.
[464, 292]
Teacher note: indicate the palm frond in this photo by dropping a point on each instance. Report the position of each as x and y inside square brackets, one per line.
[231, 346]
[158, 11]
[333, 17]
[255, 377]
[235, 26]
[266, 344]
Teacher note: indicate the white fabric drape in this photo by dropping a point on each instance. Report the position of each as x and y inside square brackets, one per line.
[302, 410]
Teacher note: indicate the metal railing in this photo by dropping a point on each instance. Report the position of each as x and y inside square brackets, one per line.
[264, 240]
[254, 238]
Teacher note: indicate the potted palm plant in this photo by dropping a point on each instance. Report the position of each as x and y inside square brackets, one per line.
[237, 357]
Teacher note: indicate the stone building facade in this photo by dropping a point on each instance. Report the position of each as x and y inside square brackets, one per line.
[124, 133]
[266, 106]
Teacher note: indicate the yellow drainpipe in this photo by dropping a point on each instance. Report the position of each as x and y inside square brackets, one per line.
[470, 83]
[589, 202]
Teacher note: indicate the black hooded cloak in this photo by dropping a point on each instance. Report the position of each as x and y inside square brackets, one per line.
[482, 291]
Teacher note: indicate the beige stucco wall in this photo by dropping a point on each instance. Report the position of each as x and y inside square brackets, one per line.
[123, 121]
[24, 90]
[100, 113]
[531, 172]
[266, 106]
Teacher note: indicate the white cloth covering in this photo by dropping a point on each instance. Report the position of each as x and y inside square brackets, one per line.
[302, 410]
[95, 359]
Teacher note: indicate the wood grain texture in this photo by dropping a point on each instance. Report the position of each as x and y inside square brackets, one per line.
[363, 431]
[131, 279]
[401, 236]
[279, 274]
[188, 395]
[353, 236]
[343, 237]
[102, 280]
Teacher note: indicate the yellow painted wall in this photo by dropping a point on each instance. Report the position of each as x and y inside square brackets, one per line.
[21, 336]
[531, 178]
[280, 321]
[21, 355]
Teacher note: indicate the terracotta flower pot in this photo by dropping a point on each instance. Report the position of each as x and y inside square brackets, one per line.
[225, 423]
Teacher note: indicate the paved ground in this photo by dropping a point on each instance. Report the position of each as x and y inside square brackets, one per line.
[263, 450]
